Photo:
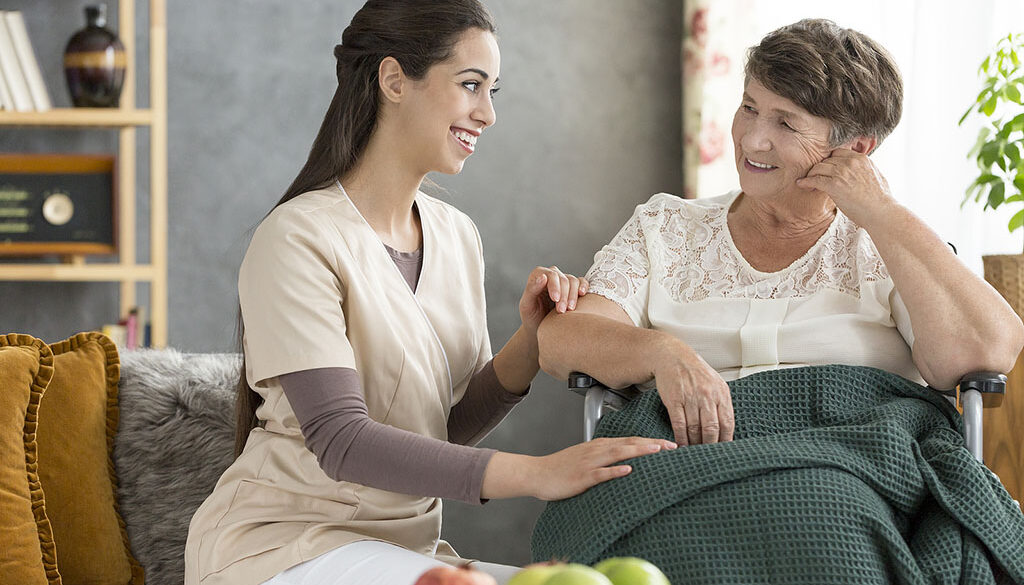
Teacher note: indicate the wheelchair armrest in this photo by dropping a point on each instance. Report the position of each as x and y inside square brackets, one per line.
[598, 397]
[580, 383]
[991, 385]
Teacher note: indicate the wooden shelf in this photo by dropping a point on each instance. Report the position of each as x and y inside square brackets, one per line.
[78, 272]
[79, 117]
[125, 120]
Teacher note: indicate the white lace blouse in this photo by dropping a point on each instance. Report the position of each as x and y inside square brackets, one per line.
[674, 267]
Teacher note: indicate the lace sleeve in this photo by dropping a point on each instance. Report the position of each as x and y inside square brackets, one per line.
[621, 271]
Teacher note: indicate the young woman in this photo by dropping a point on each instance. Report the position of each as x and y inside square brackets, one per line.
[365, 334]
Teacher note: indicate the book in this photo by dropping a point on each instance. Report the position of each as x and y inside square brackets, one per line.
[27, 59]
[5, 94]
[20, 96]
[143, 332]
[131, 332]
[131, 324]
[118, 334]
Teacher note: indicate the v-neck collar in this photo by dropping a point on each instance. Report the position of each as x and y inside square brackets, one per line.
[426, 235]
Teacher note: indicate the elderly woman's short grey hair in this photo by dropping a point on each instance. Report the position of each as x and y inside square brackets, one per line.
[834, 73]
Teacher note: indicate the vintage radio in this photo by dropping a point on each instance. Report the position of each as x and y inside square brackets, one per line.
[57, 204]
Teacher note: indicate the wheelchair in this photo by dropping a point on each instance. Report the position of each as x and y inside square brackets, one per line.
[975, 392]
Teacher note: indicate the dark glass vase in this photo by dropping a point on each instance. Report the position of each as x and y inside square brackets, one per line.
[94, 63]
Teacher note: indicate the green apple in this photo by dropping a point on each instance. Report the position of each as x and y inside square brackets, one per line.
[631, 571]
[534, 574]
[575, 574]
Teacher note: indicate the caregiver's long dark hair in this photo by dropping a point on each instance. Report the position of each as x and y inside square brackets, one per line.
[418, 34]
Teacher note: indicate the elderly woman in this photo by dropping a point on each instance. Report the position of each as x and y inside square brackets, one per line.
[757, 312]
[812, 261]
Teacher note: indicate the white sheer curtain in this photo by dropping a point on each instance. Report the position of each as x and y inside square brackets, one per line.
[938, 46]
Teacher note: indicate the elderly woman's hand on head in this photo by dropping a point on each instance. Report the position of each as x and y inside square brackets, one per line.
[853, 182]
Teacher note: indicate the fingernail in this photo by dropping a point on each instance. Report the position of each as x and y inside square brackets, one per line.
[672, 445]
[556, 296]
[572, 304]
[654, 447]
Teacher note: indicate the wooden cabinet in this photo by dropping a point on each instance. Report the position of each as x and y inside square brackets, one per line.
[125, 120]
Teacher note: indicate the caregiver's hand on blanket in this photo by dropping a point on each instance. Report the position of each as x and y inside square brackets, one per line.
[697, 398]
[565, 473]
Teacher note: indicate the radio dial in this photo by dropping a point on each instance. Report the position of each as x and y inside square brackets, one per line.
[58, 208]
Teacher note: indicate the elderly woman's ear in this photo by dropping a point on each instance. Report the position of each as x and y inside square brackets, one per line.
[864, 145]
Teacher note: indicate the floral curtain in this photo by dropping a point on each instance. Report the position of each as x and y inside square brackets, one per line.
[695, 38]
[714, 41]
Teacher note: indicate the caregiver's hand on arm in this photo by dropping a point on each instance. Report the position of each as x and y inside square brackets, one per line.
[565, 473]
[960, 323]
[600, 339]
[547, 290]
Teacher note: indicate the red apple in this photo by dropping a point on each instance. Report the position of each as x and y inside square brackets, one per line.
[455, 576]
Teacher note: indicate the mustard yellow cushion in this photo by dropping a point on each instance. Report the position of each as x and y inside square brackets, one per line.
[77, 423]
[27, 554]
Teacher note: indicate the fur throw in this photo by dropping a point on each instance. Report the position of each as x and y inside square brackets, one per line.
[176, 437]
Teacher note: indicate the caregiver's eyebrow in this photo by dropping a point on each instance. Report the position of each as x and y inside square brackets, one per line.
[479, 72]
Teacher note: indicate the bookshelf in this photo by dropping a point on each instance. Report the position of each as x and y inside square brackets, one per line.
[125, 119]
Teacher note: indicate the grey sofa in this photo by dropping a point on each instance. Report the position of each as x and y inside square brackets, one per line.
[175, 438]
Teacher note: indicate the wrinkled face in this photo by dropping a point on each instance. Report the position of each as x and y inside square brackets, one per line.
[776, 142]
[451, 106]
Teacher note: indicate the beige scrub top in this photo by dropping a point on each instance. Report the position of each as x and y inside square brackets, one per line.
[318, 289]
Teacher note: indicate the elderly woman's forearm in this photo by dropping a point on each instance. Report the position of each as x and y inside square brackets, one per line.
[960, 322]
[615, 353]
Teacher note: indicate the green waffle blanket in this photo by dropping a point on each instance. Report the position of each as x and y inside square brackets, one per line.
[837, 474]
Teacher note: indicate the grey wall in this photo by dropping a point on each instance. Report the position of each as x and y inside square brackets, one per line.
[588, 127]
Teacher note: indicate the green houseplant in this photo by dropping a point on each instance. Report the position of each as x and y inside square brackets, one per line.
[999, 150]
[999, 153]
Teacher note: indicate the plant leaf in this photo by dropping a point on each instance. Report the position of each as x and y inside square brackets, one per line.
[1012, 93]
[982, 193]
[1017, 123]
[966, 114]
[1012, 154]
[983, 135]
[991, 152]
[974, 191]
[1016, 221]
[989, 107]
[995, 196]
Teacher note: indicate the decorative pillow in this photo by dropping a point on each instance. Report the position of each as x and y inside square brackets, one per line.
[27, 554]
[78, 419]
[175, 439]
